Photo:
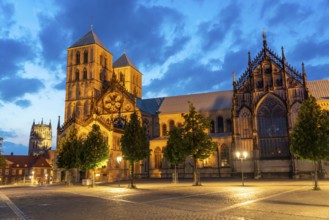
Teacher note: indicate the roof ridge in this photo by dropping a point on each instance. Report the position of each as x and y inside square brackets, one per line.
[87, 39]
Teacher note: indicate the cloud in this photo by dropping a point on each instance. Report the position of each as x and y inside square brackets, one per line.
[6, 14]
[24, 103]
[61, 85]
[213, 33]
[308, 49]
[13, 53]
[7, 134]
[16, 149]
[13, 88]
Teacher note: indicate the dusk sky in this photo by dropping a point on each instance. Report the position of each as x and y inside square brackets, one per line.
[180, 46]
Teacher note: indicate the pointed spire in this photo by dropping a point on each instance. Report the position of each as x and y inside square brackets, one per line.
[264, 39]
[234, 77]
[59, 122]
[49, 123]
[92, 27]
[42, 121]
[304, 74]
[283, 56]
[249, 59]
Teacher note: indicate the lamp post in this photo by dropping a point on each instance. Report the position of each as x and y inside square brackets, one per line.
[119, 158]
[241, 156]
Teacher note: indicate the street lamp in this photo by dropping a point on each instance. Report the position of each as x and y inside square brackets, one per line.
[119, 158]
[242, 157]
[32, 177]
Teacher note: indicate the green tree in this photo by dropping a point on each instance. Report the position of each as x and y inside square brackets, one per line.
[197, 141]
[175, 151]
[95, 151]
[310, 136]
[134, 144]
[69, 150]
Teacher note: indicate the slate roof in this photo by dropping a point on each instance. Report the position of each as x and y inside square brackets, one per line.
[177, 104]
[124, 61]
[30, 161]
[319, 89]
[89, 38]
[150, 106]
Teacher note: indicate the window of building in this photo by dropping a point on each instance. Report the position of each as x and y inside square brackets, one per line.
[171, 125]
[244, 123]
[212, 126]
[84, 73]
[85, 57]
[20, 172]
[77, 74]
[77, 58]
[224, 156]
[6, 172]
[13, 172]
[272, 129]
[164, 130]
[228, 125]
[220, 124]
[157, 158]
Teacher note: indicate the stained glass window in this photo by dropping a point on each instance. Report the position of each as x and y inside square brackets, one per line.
[272, 129]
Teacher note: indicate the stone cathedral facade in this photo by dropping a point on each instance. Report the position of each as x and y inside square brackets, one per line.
[40, 139]
[257, 116]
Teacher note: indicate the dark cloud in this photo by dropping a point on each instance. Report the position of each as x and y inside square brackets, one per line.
[213, 33]
[61, 85]
[289, 13]
[6, 14]
[308, 49]
[16, 149]
[317, 72]
[191, 76]
[119, 25]
[13, 53]
[24, 103]
[7, 134]
[13, 88]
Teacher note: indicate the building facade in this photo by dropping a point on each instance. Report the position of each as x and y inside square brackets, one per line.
[257, 116]
[40, 138]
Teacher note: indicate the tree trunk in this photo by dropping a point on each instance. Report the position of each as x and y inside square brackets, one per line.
[196, 173]
[316, 187]
[93, 178]
[132, 175]
[175, 177]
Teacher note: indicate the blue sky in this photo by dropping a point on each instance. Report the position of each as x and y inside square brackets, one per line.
[180, 46]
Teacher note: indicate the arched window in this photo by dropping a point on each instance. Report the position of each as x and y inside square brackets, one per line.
[85, 57]
[220, 124]
[77, 74]
[228, 125]
[179, 125]
[212, 126]
[86, 109]
[244, 123]
[77, 58]
[224, 156]
[272, 129]
[157, 158]
[164, 130]
[78, 109]
[171, 125]
[84, 73]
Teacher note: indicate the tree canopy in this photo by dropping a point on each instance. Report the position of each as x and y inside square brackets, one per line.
[134, 143]
[69, 149]
[310, 136]
[199, 144]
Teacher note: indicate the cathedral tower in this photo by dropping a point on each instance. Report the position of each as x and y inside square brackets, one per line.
[89, 70]
[40, 138]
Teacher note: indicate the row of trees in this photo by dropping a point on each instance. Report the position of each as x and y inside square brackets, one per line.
[83, 154]
[190, 140]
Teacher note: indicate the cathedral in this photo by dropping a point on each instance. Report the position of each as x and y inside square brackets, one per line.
[40, 139]
[256, 116]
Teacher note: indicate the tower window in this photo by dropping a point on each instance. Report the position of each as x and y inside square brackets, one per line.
[77, 58]
[84, 73]
[164, 130]
[171, 125]
[85, 57]
[77, 75]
